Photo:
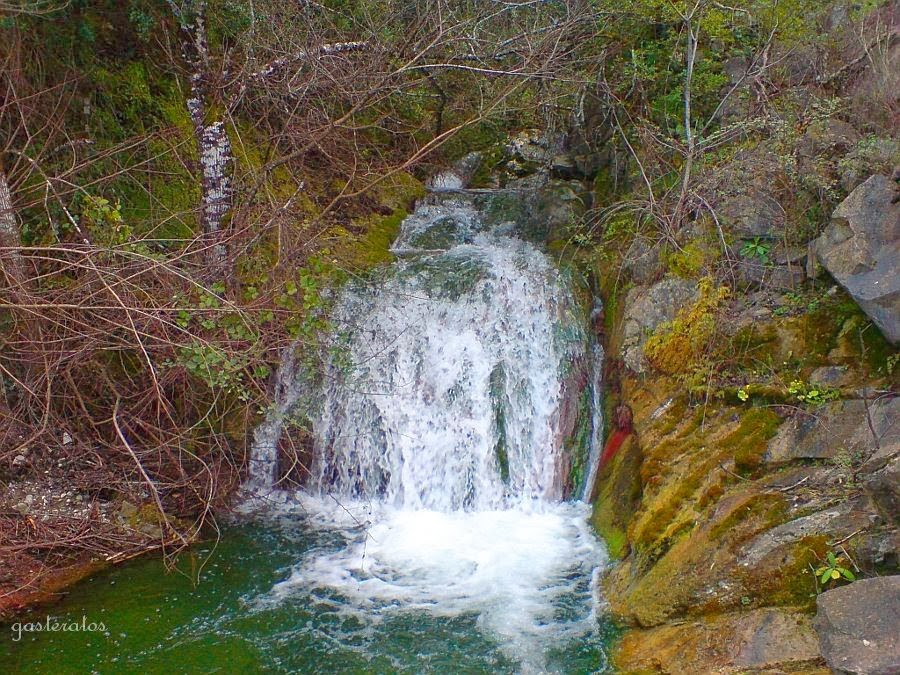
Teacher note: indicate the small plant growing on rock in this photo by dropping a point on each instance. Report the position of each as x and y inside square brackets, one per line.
[812, 394]
[832, 570]
[757, 249]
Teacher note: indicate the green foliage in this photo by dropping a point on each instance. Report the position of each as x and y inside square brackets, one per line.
[832, 570]
[811, 394]
[141, 19]
[690, 260]
[218, 368]
[757, 248]
[104, 220]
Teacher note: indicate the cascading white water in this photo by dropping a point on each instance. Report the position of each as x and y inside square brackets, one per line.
[441, 455]
[459, 360]
[593, 465]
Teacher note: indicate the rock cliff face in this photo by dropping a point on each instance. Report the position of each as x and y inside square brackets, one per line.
[772, 447]
[858, 624]
[721, 510]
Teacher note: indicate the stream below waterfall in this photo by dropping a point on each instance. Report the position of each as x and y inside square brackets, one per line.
[439, 529]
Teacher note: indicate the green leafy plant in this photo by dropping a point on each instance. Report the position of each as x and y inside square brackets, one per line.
[812, 394]
[758, 249]
[833, 570]
[104, 220]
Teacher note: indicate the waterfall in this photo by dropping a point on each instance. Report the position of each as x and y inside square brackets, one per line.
[458, 362]
[593, 465]
[444, 427]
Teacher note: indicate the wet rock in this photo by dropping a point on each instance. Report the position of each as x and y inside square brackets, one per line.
[533, 147]
[840, 427]
[457, 177]
[861, 250]
[448, 181]
[617, 495]
[553, 211]
[647, 308]
[466, 167]
[762, 639]
[859, 626]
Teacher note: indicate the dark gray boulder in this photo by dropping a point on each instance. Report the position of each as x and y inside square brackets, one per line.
[851, 428]
[861, 250]
[859, 626]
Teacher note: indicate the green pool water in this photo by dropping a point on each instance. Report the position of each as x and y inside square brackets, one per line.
[160, 621]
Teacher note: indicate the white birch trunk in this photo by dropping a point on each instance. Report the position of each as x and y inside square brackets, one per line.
[9, 234]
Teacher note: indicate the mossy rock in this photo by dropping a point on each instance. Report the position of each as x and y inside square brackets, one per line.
[767, 640]
[786, 578]
[618, 496]
[750, 440]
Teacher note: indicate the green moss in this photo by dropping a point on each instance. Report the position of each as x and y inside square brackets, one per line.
[399, 191]
[672, 508]
[750, 439]
[789, 580]
[618, 494]
[688, 262]
[616, 542]
[760, 511]
[605, 186]
[675, 346]
[484, 135]
[751, 346]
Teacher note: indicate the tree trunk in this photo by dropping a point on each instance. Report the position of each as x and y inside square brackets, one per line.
[213, 146]
[13, 268]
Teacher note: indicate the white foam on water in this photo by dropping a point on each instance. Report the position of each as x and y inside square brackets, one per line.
[527, 573]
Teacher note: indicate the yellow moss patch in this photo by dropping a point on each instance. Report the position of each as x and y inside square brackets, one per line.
[358, 254]
[676, 345]
[789, 579]
[756, 512]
